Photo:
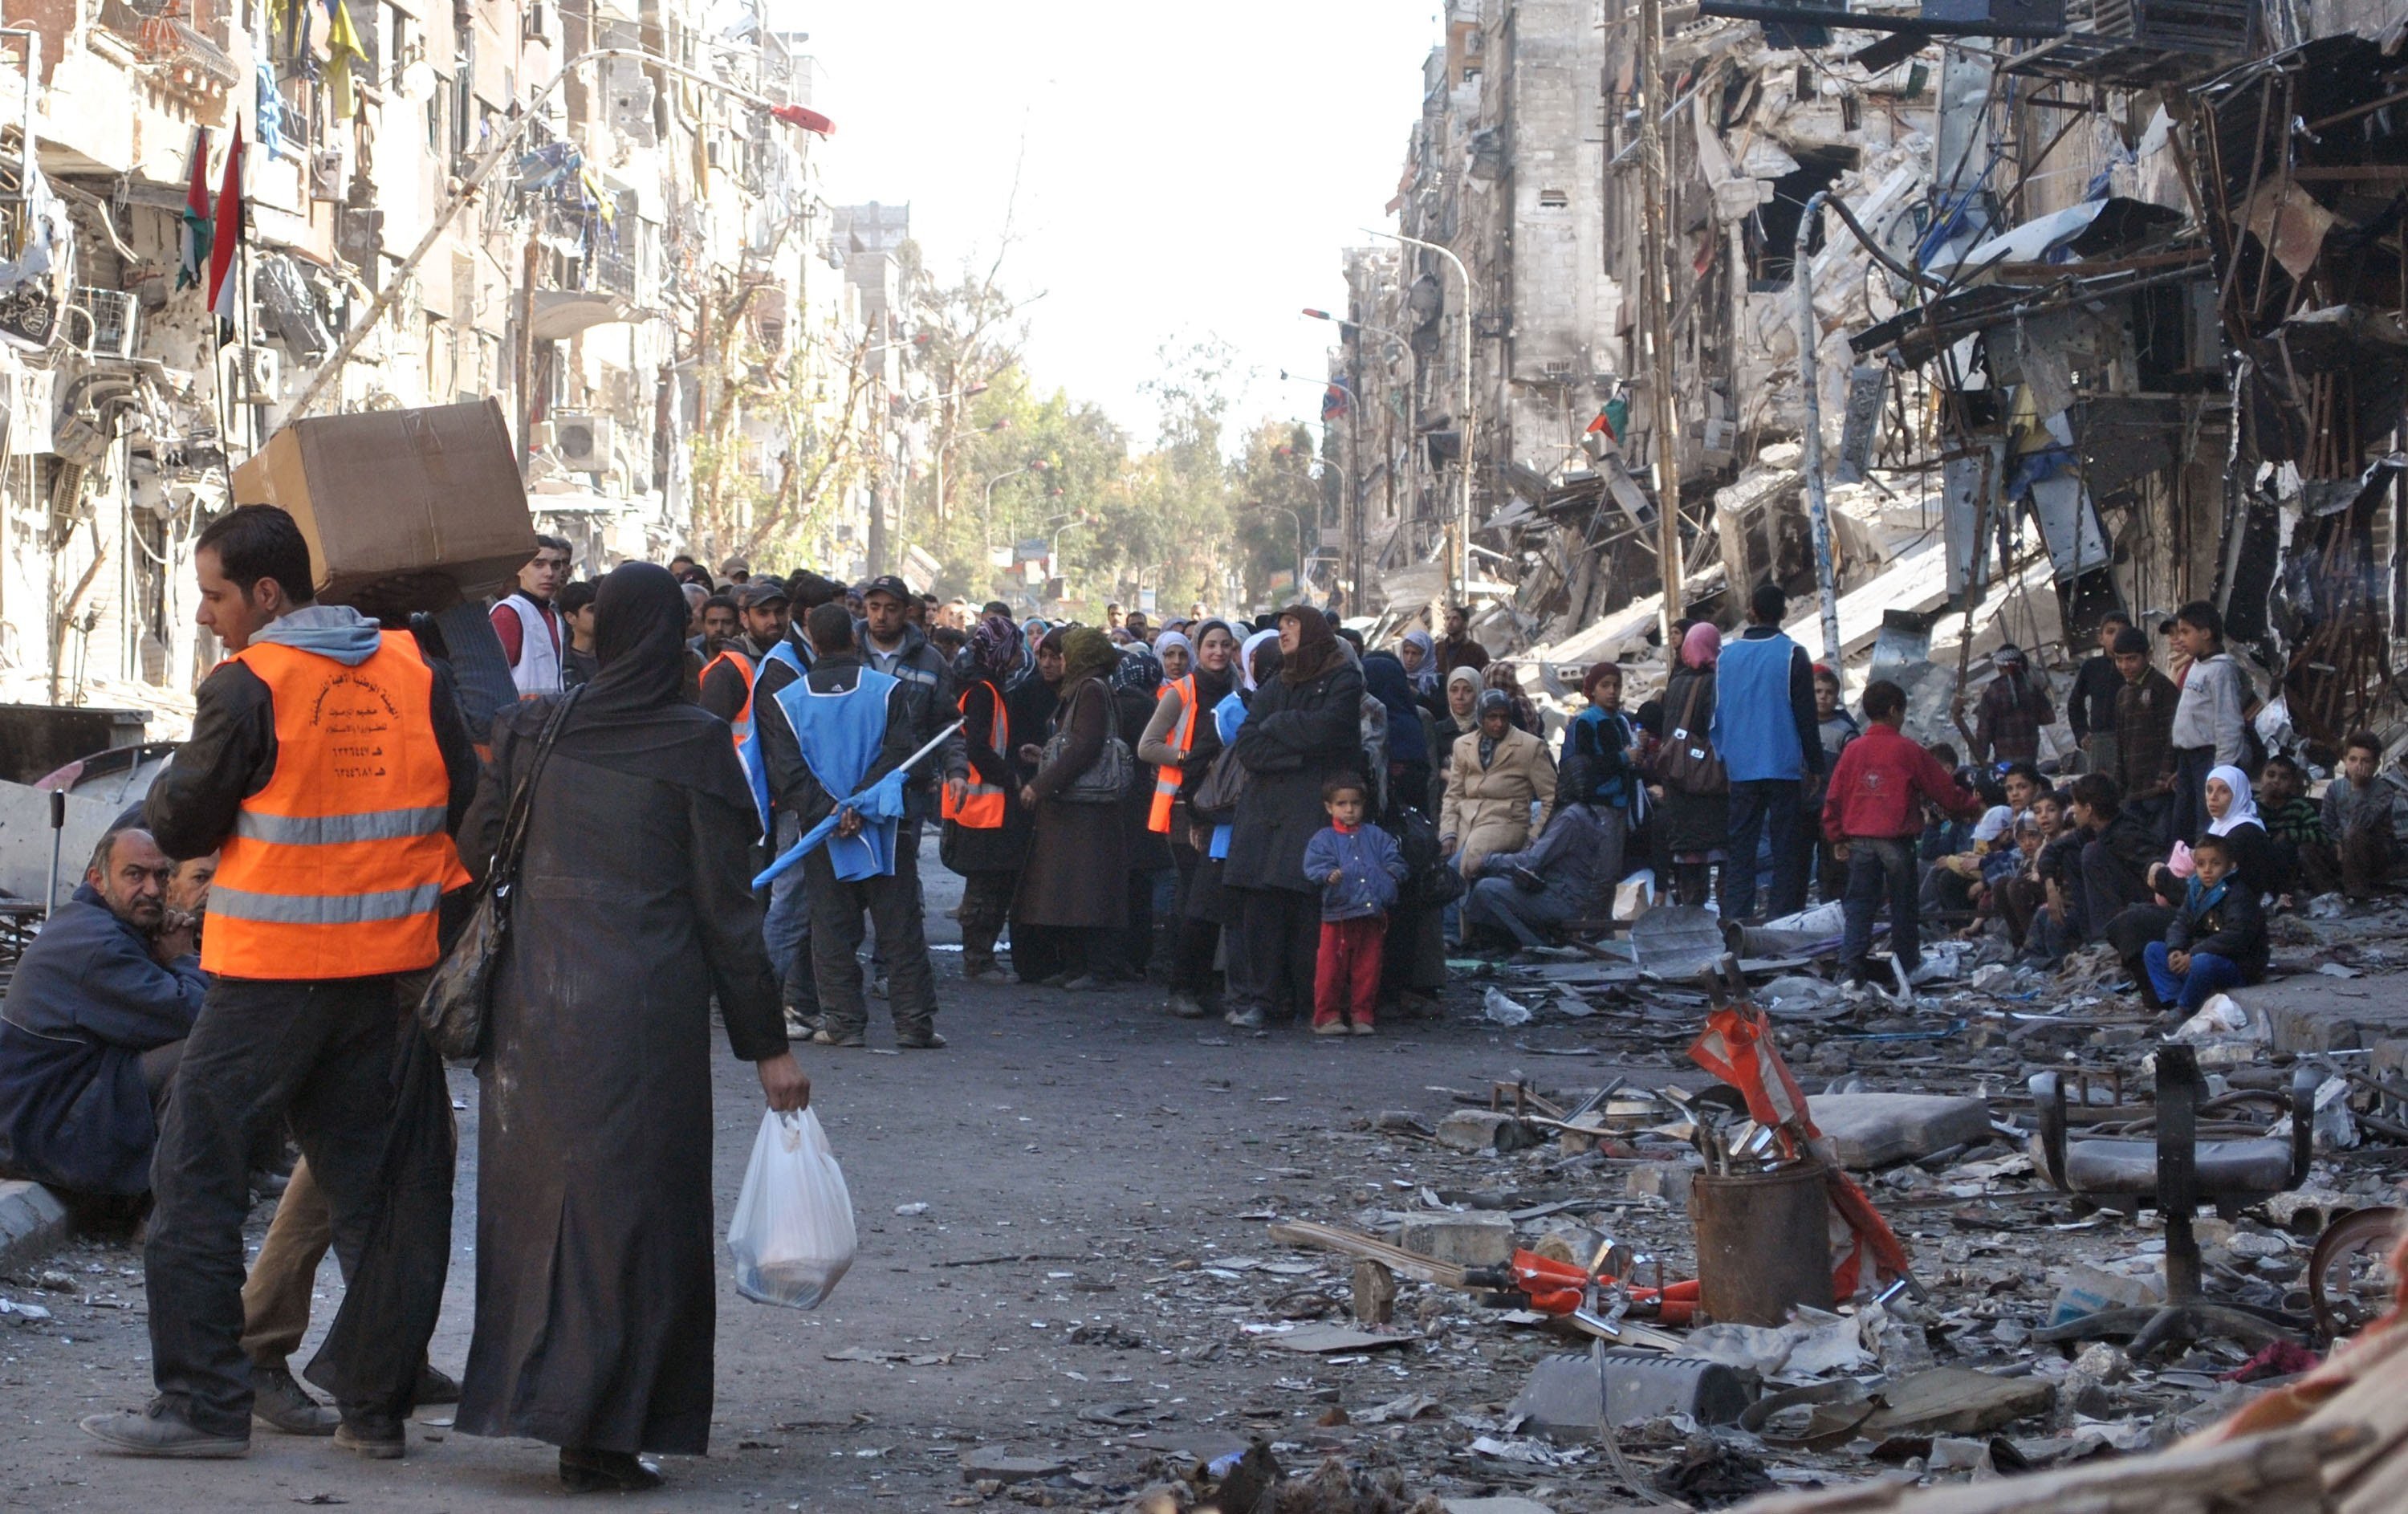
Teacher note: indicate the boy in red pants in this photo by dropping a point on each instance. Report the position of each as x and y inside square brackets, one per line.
[1358, 867]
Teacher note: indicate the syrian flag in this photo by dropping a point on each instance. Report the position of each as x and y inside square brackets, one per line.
[225, 236]
[195, 236]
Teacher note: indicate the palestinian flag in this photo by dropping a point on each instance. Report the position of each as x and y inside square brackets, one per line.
[196, 236]
[226, 237]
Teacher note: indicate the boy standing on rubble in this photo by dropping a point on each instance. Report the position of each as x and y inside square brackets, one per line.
[1873, 816]
[2211, 726]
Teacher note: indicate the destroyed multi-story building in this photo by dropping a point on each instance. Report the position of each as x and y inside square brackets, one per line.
[651, 282]
[2107, 311]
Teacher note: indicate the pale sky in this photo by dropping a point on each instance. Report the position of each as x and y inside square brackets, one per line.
[1185, 169]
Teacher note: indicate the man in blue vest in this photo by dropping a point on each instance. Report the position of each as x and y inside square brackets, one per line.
[1768, 735]
[826, 735]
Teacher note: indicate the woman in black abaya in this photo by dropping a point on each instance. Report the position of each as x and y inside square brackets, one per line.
[594, 1236]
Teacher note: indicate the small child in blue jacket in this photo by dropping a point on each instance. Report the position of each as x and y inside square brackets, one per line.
[1358, 867]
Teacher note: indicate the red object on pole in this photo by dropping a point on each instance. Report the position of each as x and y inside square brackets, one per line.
[805, 117]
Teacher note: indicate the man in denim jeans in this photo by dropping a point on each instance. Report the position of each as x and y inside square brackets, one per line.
[1873, 813]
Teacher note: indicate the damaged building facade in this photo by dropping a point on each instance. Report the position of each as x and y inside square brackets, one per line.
[2108, 314]
[650, 284]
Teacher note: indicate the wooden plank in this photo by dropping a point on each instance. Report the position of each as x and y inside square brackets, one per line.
[1411, 1264]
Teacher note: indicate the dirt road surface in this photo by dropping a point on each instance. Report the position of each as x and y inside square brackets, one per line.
[1098, 1178]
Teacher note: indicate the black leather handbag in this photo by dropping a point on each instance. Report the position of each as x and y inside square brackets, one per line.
[460, 990]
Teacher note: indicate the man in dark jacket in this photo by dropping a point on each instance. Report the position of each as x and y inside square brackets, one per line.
[2116, 859]
[1559, 879]
[2144, 706]
[303, 1010]
[892, 644]
[2091, 707]
[1457, 648]
[95, 1025]
[891, 897]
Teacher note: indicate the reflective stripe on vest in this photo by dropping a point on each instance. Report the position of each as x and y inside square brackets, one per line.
[336, 865]
[982, 803]
[1166, 778]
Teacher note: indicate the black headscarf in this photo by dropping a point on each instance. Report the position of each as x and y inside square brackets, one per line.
[633, 718]
[1317, 648]
[1385, 680]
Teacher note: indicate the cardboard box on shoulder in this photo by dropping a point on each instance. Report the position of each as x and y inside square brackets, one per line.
[404, 508]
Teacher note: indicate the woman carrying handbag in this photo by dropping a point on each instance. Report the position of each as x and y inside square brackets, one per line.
[1693, 817]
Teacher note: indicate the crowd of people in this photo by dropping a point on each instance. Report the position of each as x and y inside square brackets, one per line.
[696, 794]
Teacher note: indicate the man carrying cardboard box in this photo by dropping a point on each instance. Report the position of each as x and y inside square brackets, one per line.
[527, 623]
[329, 768]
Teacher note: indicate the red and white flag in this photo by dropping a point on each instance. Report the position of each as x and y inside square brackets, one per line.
[226, 236]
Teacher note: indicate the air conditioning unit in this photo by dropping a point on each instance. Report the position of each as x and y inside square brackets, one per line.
[583, 440]
[249, 375]
[327, 177]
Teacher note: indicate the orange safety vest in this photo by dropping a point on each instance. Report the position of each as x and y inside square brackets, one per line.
[742, 724]
[1168, 778]
[982, 803]
[335, 867]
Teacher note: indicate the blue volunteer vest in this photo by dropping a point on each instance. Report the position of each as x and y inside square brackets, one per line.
[1756, 734]
[840, 735]
[1227, 716]
[748, 752]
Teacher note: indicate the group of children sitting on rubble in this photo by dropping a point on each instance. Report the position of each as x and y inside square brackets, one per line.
[2177, 874]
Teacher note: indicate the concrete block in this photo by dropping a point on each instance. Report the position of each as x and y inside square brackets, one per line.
[33, 1222]
[1665, 1181]
[1561, 1398]
[1476, 1239]
[1481, 1130]
[2314, 1014]
[1875, 1129]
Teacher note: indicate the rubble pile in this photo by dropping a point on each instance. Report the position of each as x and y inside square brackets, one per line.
[1557, 1227]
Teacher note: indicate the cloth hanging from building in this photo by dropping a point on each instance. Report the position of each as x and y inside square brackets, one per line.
[194, 237]
[342, 47]
[225, 237]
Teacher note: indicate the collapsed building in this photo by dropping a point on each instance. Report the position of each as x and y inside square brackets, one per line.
[2110, 315]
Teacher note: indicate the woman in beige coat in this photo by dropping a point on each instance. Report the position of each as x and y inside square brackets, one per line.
[1495, 774]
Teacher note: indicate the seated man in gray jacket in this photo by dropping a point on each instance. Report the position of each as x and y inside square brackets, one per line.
[1557, 879]
[95, 1026]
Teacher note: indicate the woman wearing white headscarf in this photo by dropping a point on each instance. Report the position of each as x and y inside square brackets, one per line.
[2232, 814]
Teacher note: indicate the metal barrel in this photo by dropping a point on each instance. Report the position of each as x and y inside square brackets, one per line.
[1764, 1244]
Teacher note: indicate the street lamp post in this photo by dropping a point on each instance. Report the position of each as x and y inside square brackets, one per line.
[1461, 565]
[504, 140]
[1299, 541]
[1353, 521]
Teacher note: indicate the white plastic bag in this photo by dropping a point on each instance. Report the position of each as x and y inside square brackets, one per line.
[793, 1233]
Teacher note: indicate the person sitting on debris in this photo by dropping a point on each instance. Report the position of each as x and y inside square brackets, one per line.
[2217, 938]
[95, 1026]
[2362, 816]
[2063, 921]
[2013, 707]
[2211, 726]
[1873, 813]
[2024, 898]
[2232, 814]
[1568, 875]
[1358, 867]
[1601, 746]
[2122, 864]
[2295, 824]
[1944, 834]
